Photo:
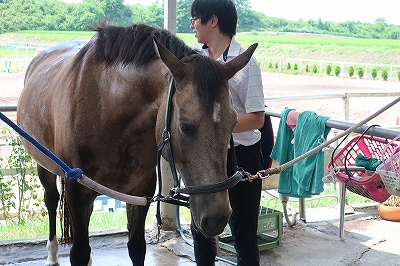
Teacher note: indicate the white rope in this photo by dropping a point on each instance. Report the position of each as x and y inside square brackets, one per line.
[135, 200]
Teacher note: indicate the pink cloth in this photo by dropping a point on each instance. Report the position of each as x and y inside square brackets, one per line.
[291, 119]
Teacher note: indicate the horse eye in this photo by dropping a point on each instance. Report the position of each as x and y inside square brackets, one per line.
[187, 128]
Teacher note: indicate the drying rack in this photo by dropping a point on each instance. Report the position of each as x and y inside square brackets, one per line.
[340, 125]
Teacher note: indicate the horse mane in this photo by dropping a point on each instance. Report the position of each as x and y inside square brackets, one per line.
[134, 45]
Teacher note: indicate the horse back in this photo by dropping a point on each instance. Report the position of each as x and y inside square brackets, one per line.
[37, 103]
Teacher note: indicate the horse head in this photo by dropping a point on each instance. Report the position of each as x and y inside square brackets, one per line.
[201, 123]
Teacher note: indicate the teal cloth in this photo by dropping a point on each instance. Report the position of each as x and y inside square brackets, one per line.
[304, 179]
[283, 152]
[311, 131]
[367, 162]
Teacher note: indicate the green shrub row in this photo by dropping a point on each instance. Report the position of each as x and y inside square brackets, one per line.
[336, 71]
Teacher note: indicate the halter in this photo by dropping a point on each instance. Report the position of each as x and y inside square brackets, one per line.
[175, 196]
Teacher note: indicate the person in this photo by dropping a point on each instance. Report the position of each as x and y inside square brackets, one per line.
[214, 24]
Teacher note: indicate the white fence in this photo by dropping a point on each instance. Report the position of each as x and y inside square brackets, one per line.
[22, 56]
[393, 70]
[344, 96]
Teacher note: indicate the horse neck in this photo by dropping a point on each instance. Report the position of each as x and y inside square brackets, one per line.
[136, 92]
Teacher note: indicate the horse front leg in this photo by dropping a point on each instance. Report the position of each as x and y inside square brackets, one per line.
[80, 206]
[136, 227]
[51, 198]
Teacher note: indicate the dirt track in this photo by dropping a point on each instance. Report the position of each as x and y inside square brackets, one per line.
[284, 84]
[360, 108]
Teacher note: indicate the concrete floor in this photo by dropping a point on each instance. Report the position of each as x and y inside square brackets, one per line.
[369, 240]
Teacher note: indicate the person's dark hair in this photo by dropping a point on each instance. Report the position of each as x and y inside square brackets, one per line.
[225, 10]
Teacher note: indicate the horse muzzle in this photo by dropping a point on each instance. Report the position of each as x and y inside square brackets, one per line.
[210, 212]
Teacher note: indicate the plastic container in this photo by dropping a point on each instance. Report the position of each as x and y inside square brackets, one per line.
[364, 183]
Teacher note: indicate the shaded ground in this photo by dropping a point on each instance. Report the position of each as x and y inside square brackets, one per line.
[369, 241]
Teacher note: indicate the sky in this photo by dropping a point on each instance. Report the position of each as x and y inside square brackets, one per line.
[331, 10]
[328, 10]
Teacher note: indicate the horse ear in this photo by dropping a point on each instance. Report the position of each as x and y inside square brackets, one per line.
[239, 62]
[169, 59]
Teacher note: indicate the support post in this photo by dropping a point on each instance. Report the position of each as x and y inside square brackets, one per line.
[170, 15]
[168, 211]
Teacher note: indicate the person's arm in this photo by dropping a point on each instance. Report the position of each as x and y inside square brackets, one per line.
[249, 121]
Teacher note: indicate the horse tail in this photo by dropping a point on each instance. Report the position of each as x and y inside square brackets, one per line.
[65, 221]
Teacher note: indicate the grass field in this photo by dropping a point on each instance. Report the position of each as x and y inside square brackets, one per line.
[316, 47]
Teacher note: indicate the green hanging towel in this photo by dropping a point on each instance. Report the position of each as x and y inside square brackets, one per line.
[282, 152]
[304, 179]
[311, 131]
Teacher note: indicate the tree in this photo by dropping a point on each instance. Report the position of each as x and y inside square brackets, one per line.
[328, 70]
[380, 25]
[139, 14]
[315, 69]
[274, 23]
[247, 20]
[360, 72]
[16, 15]
[156, 13]
[116, 12]
[337, 71]
[374, 73]
[183, 15]
[321, 25]
[351, 71]
[394, 35]
[87, 15]
[350, 26]
[385, 75]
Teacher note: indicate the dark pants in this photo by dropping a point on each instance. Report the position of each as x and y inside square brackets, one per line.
[245, 201]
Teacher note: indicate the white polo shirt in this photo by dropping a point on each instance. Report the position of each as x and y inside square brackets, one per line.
[245, 87]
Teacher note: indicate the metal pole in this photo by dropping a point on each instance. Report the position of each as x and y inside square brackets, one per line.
[342, 210]
[168, 211]
[302, 209]
[170, 15]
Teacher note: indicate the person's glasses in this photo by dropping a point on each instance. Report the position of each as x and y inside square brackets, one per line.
[192, 20]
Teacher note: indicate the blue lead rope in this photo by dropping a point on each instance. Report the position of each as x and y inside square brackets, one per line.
[73, 173]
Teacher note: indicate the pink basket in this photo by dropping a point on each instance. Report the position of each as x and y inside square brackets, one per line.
[367, 184]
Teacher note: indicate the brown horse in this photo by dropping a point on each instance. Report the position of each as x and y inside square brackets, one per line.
[100, 106]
